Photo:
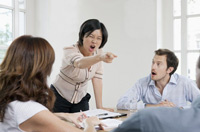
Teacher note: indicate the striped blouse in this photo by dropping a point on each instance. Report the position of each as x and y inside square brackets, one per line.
[71, 83]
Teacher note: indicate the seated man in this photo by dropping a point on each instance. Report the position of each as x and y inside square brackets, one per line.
[162, 87]
[165, 119]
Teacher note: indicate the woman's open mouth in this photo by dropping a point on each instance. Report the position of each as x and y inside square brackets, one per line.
[92, 46]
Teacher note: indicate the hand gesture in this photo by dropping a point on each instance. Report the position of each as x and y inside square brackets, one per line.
[107, 57]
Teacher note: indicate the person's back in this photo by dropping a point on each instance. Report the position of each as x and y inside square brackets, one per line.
[164, 119]
[172, 119]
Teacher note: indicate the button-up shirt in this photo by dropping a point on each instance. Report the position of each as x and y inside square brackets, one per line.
[179, 90]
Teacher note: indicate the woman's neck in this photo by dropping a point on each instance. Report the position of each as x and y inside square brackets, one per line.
[83, 51]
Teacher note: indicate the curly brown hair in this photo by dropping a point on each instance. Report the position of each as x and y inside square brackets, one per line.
[24, 71]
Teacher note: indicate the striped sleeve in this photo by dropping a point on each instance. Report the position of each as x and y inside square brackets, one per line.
[70, 55]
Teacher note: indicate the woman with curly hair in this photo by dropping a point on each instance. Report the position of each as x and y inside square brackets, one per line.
[25, 98]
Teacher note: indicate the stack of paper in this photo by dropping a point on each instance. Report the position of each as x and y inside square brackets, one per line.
[102, 114]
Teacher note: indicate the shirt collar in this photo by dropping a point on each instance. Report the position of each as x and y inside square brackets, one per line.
[171, 81]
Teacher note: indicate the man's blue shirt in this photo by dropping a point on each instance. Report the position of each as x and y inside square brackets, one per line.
[179, 90]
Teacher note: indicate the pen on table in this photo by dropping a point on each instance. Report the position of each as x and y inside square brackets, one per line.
[103, 114]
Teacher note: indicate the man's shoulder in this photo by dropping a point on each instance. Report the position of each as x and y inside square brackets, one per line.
[181, 78]
[184, 82]
[145, 80]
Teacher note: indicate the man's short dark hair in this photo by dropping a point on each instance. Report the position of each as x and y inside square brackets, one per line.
[88, 27]
[172, 60]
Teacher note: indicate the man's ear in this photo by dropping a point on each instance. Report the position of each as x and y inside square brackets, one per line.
[170, 69]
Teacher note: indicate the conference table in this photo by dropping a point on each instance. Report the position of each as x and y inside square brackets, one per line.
[128, 112]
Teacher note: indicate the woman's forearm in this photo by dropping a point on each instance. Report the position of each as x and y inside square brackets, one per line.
[63, 116]
[97, 86]
[87, 62]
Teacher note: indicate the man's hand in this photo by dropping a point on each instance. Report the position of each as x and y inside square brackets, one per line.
[165, 103]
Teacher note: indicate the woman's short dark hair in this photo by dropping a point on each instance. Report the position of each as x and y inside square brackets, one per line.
[172, 60]
[88, 27]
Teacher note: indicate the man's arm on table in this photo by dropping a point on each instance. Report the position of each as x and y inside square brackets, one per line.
[130, 100]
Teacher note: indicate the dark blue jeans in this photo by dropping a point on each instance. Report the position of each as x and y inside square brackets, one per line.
[62, 105]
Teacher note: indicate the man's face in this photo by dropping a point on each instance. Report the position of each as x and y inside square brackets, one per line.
[159, 68]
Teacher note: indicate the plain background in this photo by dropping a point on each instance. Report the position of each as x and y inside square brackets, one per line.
[132, 28]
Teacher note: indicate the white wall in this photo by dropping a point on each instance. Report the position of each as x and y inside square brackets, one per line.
[131, 26]
[30, 17]
[167, 17]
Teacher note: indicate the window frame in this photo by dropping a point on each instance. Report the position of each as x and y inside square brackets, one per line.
[15, 19]
[165, 38]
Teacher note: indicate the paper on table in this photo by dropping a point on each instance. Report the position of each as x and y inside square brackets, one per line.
[110, 124]
[101, 113]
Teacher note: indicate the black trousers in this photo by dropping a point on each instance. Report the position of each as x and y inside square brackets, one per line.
[62, 105]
